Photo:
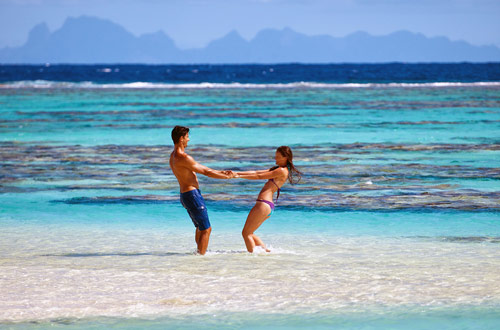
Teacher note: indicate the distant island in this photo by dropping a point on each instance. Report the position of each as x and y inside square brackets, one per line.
[88, 40]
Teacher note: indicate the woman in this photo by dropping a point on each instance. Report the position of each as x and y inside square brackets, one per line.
[264, 206]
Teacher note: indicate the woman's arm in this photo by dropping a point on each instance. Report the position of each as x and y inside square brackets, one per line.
[261, 175]
[253, 172]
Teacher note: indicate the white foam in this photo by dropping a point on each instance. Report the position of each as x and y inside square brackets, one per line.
[257, 251]
[236, 85]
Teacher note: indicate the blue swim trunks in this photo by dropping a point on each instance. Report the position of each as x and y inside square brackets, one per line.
[194, 203]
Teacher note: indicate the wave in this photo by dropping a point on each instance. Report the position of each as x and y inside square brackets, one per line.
[208, 85]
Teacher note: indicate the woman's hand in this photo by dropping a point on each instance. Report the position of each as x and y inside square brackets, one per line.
[230, 174]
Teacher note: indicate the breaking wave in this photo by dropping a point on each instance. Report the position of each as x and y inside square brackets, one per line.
[235, 85]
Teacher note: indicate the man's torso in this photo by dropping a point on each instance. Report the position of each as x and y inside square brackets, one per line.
[186, 177]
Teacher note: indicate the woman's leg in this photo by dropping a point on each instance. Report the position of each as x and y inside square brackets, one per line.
[258, 214]
[258, 242]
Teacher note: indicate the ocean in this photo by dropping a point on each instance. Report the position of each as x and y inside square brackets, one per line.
[394, 225]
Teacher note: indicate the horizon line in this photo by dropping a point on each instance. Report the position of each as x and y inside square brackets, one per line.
[48, 64]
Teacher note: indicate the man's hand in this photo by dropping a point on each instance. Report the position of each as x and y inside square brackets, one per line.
[230, 174]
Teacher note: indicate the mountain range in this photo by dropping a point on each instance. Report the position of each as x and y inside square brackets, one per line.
[94, 40]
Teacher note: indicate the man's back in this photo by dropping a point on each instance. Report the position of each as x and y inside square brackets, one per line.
[180, 165]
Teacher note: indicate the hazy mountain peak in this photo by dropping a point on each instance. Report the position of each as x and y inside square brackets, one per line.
[158, 33]
[405, 34]
[156, 36]
[87, 20]
[273, 38]
[273, 33]
[88, 26]
[87, 39]
[359, 35]
[233, 35]
[39, 32]
[232, 39]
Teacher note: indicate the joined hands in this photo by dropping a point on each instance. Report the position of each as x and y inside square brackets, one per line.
[230, 174]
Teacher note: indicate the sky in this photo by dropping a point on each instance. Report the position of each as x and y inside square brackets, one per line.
[194, 23]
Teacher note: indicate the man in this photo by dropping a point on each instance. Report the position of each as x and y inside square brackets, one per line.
[185, 169]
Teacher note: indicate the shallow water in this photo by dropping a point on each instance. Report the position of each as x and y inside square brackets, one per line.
[394, 225]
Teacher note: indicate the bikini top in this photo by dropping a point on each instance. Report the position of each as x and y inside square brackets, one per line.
[278, 196]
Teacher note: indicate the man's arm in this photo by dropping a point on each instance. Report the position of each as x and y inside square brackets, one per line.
[194, 166]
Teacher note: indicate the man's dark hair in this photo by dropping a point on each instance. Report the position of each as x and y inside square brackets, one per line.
[178, 132]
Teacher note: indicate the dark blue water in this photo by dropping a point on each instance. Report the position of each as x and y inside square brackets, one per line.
[282, 73]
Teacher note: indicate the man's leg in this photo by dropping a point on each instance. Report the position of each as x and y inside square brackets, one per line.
[202, 237]
[198, 213]
[197, 236]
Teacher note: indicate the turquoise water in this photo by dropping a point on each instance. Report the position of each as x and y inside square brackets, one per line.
[394, 225]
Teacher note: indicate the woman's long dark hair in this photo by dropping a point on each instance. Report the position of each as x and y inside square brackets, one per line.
[294, 175]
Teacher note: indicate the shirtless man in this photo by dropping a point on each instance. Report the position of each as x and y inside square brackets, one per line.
[184, 168]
